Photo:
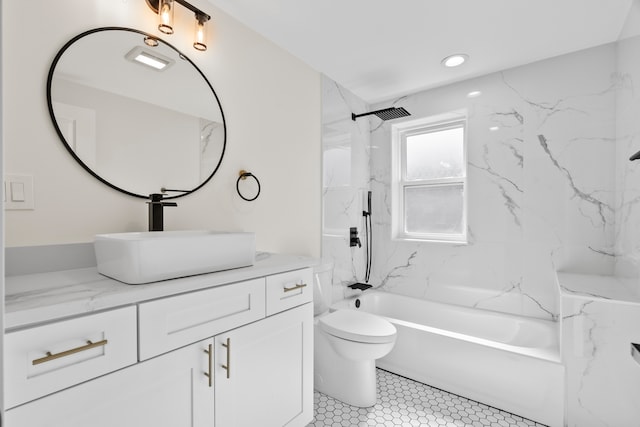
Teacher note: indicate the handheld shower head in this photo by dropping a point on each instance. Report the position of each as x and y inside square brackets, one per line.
[369, 236]
[368, 211]
[384, 114]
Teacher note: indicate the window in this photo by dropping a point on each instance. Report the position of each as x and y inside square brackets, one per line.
[429, 179]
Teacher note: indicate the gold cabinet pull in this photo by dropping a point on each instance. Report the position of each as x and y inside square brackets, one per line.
[210, 373]
[228, 365]
[49, 357]
[300, 286]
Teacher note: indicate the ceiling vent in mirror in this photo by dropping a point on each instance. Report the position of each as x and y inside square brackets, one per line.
[154, 60]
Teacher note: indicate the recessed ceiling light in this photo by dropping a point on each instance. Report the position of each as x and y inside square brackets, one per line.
[455, 60]
[474, 94]
[494, 128]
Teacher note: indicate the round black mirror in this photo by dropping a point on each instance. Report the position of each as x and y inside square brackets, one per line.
[135, 112]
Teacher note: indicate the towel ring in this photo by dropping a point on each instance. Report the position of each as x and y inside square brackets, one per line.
[244, 175]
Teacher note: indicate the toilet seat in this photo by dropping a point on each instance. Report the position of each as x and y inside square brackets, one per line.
[358, 326]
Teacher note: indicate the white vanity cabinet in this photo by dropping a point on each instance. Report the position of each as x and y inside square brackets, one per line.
[170, 391]
[264, 372]
[233, 355]
[173, 322]
[44, 359]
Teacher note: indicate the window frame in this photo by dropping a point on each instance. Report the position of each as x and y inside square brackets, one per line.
[399, 134]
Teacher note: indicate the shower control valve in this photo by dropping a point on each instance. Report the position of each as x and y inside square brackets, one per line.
[354, 240]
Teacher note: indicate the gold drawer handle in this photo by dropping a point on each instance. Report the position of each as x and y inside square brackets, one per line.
[228, 365]
[49, 357]
[210, 373]
[300, 286]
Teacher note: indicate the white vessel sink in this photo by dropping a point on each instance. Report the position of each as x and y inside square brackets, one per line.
[145, 257]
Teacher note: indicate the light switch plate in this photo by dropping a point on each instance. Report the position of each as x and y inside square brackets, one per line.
[18, 192]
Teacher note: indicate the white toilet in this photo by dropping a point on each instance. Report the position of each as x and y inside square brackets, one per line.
[346, 346]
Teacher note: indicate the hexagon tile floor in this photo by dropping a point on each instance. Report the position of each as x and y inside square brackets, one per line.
[407, 403]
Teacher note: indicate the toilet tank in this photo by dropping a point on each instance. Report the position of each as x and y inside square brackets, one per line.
[322, 283]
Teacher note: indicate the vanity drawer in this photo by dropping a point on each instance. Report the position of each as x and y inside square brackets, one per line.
[176, 321]
[48, 358]
[289, 290]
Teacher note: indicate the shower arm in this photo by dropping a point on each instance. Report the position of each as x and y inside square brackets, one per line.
[384, 114]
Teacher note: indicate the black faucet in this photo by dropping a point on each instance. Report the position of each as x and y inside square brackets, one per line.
[156, 218]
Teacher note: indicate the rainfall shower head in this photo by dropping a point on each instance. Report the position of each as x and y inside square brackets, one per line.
[384, 114]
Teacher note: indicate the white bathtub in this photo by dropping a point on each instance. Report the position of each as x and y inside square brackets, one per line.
[509, 362]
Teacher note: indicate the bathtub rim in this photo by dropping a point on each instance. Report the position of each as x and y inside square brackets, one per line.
[550, 353]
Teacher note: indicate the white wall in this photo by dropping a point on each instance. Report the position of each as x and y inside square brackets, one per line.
[2, 270]
[271, 101]
[127, 155]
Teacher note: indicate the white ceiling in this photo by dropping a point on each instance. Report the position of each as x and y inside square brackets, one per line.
[385, 49]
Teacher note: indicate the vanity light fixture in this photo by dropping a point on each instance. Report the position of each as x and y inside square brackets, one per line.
[455, 60]
[164, 9]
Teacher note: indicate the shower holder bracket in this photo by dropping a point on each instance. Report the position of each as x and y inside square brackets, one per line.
[635, 352]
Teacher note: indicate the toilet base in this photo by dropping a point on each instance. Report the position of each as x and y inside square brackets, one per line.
[349, 381]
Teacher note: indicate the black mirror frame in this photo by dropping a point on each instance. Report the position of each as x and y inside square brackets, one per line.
[68, 147]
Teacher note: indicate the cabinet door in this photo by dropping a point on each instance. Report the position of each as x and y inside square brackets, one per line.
[264, 372]
[169, 391]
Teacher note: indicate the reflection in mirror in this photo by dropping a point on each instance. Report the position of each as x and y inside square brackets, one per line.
[137, 117]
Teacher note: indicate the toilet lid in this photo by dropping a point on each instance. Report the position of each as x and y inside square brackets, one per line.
[358, 326]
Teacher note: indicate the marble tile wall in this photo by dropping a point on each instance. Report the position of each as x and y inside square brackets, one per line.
[602, 377]
[552, 189]
[346, 155]
[627, 248]
[541, 188]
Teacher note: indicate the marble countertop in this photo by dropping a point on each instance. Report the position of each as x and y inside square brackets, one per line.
[36, 298]
[600, 287]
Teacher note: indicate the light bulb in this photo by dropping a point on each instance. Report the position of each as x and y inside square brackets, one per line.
[165, 15]
[200, 42]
